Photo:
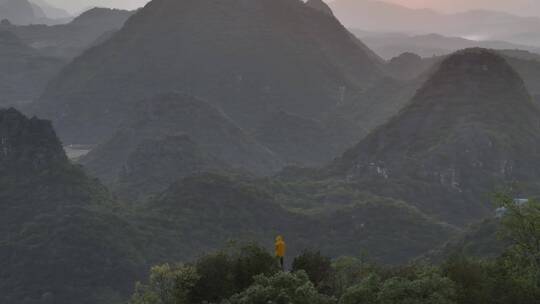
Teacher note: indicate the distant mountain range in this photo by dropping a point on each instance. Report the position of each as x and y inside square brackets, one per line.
[31, 55]
[70, 39]
[380, 16]
[24, 71]
[24, 12]
[389, 45]
[50, 11]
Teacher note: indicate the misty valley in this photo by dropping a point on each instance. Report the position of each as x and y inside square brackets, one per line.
[268, 152]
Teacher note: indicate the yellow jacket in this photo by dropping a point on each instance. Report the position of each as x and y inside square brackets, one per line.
[281, 247]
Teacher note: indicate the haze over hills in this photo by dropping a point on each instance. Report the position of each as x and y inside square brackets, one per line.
[250, 59]
[18, 11]
[65, 238]
[389, 45]
[211, 124]
[174, 114]
[50, 11]
[24, 12]
[32, 55]
[380, 16]
[53, 217]
[24, 72]
[471, 128]
[71, 39]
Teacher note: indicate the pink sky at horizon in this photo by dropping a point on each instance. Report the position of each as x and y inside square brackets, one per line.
[522, 7]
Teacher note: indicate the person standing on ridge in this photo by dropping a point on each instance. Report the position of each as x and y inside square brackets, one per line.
[281, 248]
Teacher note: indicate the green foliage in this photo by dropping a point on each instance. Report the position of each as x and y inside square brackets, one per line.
[470, 277]
[282, 288]
[223, 277]
[211, 279]
[499, 281]
[521, 223]
[427, 286]
[250, 261]
[168, 284]
[217, 278]
[317, 266]
[228, 272]
[350, 271]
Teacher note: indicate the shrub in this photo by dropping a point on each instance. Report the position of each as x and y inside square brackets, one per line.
[317, 266]
[281, 288]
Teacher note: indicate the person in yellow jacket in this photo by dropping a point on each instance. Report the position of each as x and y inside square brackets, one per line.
[281, 249]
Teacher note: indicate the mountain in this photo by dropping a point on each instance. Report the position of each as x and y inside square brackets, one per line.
[174, 114]
[155, 164]
[50, 11]
[471, 128]
[480, 240]
[24, 72]
[102, 18]
[17, 11]
[389, 45]
[71, 39]
[302, 141]
[380, 16]
[24, 12]
[60, 239]
[65, 239]
[409, 66]
[320, 6]
[205, 211]
[528, 66]
[250, 59]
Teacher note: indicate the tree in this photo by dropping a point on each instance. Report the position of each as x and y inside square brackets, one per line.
[366, 292]
[317, 266]
[168, 284]
[281, 288]
[350, 271]
[427, 286]
[471, 278]
[228, 272]
[250, 261]
[430, 287]
[521, 225]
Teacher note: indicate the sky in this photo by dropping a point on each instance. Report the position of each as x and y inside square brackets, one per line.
[521, 7]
